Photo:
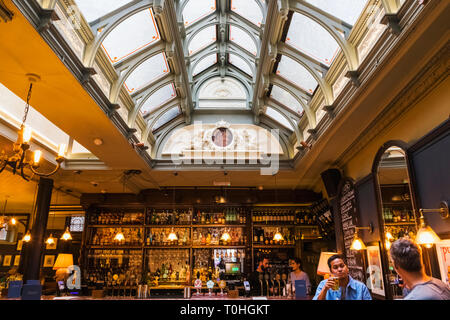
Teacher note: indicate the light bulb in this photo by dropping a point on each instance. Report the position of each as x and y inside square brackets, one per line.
[50, 240]
[389, 236]
[37, 156]
[278, 236]
[225, 236]
[426, 235]
[66, 236]
[13, 221]
[172, 236]
[27, 237]
[61, 150]
[119, 236]
[27, 132]
[357, 244]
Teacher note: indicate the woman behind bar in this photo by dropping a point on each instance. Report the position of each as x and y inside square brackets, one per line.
[298, 274]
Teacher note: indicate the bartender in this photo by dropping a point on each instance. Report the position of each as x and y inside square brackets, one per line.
[258, 283]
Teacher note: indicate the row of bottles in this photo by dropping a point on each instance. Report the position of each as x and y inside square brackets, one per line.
[106, 237]
[265, 236]
[325, 221]
[393, 233]
[169, 217]
[223, 216]
[273, 215]
[117, 218]
[305, 217]
[395, 215]
[160, 237]
[214, 236]
[113, 267]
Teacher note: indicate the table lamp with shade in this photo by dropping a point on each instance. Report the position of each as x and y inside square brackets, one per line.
[322, 268]
[63, 261]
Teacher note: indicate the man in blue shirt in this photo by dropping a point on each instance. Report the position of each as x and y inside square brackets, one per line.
[349, 288]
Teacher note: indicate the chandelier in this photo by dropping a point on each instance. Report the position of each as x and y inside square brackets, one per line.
[18, 161]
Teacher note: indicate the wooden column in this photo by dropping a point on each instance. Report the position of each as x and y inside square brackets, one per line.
[34, 249]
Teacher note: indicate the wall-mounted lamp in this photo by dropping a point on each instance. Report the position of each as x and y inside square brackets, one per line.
[426, 234]
[357, 243]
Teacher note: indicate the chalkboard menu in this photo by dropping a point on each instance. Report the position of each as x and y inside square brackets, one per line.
[348, 215]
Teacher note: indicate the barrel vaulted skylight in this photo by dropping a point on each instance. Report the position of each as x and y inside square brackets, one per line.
[222, 40]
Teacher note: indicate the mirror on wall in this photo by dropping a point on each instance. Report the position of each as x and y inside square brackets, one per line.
[397, 209]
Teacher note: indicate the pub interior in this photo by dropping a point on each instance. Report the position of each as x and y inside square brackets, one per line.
[163, 149]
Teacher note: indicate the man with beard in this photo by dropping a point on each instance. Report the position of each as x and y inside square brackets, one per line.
[258, 283]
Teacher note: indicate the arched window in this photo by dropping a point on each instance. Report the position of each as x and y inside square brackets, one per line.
[222, 93]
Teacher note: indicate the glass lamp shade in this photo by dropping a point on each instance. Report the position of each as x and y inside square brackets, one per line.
[119, 236]
[225, 236]
[322, 268]
[278, 236]
[66, 236]
[172, 236]
[27, 237]
[427, 236]
[50, 240]
[357, 244]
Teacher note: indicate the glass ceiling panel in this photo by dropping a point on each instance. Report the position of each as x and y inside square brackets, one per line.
[346, 10]
[131, 36]
[297, 74]
[205, 63]
[275, 115]
[166, 117]
[161, 96]
[147, 72]
[78, 148]
[311, 38]
[202, 39]
[241, 38]
[197, 9]
[285, 98]
[249, 9]
[94, 9]
[240, 63]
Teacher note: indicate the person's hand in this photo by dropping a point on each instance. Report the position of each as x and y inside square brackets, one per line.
[330, 283]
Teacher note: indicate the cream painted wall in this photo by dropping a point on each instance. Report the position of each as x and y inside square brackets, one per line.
[426, 115]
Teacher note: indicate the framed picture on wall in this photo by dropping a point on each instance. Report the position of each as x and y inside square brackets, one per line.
[443, 253]
[52, 246]
[375, 270]
[49, 261]
[16, 261]
[7, 261]
[19, 245]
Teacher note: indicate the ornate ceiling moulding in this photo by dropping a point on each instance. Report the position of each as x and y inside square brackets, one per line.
[5, 14]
